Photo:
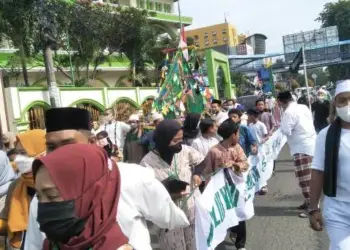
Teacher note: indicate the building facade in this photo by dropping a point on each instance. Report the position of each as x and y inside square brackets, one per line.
[23, 108]
[162, 17]
[221, 37]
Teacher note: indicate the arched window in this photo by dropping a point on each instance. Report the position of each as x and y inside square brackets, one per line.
[95, 112]
[36, 117]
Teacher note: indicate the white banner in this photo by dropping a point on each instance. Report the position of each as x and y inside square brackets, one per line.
[222, 206]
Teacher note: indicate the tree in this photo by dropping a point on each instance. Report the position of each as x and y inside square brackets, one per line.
[322, 77]
[138, 38]
[17, 23]
[280, 63]
[89, 34]
[240, 81]
[337, 14]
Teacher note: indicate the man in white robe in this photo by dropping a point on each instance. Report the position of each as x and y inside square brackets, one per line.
[139, 187]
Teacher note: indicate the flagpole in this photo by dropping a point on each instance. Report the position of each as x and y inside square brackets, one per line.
[305, 74]
[179, 10]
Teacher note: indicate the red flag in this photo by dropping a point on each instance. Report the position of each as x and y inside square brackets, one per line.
[183, 44]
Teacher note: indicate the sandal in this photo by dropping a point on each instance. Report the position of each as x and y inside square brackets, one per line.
[263, 191]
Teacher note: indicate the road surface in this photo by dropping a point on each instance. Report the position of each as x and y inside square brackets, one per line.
[276, 225]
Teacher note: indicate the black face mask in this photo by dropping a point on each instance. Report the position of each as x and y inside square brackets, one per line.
[176, 148]
[58, 221]
[108, 149]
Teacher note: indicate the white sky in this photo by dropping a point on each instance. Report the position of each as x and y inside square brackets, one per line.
[273, 18]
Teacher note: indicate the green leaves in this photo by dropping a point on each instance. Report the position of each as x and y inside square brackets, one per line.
[337, 14]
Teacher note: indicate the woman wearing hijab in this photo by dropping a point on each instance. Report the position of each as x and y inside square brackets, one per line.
[331, 172]
[103, 141]
[191, 128]
[78, 212]
[14, 218]
[172, 160]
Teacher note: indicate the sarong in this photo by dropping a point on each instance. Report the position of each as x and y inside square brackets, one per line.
[302, 163]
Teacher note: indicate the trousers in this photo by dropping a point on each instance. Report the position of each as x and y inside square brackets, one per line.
[241, 231]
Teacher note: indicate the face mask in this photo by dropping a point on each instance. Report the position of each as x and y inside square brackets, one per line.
[58, 221]
[344, 113]
[230, 107]
[176, 148]
[24, 164]
[108, 150]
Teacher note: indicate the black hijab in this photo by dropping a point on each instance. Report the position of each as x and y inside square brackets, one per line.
[163, 135]
[191, 129]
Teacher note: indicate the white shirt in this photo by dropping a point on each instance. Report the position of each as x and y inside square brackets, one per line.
[117, 132]
[258, 130]
[343, 174]
[220, 117]
[142, 198]
[34, 237]
[203, 145]
[297, 124]
[244, 119]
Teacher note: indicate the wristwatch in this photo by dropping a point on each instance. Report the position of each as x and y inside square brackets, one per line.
[312, 211]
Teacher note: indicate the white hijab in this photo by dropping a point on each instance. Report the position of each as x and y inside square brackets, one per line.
[6, 173]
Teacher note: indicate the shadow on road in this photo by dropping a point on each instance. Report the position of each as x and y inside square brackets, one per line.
[284, 171]
[276, 211]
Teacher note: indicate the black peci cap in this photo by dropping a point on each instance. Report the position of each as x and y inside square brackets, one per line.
[57, 119]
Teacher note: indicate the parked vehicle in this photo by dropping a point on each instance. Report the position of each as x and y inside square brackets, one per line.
[248, 101]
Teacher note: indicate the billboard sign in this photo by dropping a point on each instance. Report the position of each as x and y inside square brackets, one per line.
[321, 45]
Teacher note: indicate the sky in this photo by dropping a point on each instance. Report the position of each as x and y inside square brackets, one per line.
[273, 18]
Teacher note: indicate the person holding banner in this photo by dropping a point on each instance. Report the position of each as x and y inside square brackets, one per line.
[174, 163]
[246, 139]
[297, 124]
[228, 154]
[330, 171]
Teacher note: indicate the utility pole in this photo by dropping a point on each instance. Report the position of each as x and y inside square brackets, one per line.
[305, 74]
[179, 10]
[49, 42]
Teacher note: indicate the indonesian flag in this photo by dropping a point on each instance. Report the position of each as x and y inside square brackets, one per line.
[183, 44]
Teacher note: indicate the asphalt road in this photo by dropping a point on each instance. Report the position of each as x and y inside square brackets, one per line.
[276, 225]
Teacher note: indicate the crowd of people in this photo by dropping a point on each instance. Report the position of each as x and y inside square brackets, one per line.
[108, 184]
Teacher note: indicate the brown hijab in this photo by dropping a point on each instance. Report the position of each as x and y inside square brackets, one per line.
[83, 173]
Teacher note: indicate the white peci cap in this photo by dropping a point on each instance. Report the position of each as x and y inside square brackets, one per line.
[157, 116]
[342, 86]
[134, 117]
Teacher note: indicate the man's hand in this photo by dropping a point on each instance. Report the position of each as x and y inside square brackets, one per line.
[316, 221]
[197, 180]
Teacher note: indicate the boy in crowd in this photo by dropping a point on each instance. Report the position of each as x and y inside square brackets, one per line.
[208, 138]
[260, 134]
[246, 139]
[265, 116]
[227, 154]
[257, 127]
